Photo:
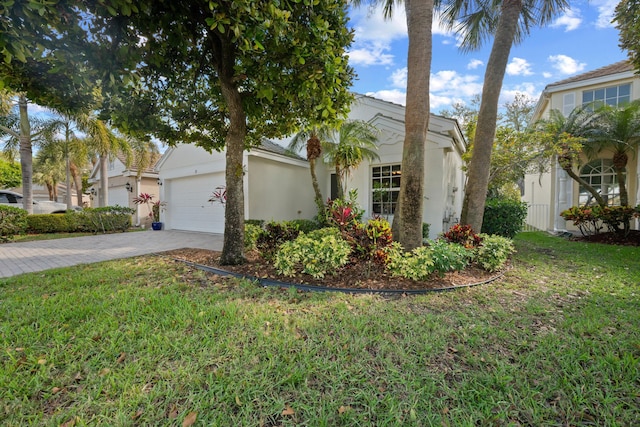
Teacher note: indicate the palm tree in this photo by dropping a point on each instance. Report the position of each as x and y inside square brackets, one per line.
[567, 137]
[311, 138]
[350, 144]
[407, 223]
[509, 21]
[21, 135]
[618, 130]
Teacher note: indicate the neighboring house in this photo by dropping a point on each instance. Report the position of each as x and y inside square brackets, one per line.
[124, 185]
[553, 192]
[278, 185]
[41, 193]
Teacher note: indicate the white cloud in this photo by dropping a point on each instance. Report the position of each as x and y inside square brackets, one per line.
[399, 78]
[371, 54]
[474, 63]
[529, 89]
[370, 24]
[395, 96]
[519, 67]
[570, 20]
[565, 64]
[451, 83]
[606, 10]
[547, 75]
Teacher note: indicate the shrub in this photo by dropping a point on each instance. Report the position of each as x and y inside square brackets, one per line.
[275, 234]
[304, 225]
[494, 252]
[425, 231]
[317, 253]
[369, 240]
[104, 219]
[449, 256]
[13, 221]
[415, 265]
[344, 213]
[51, 223]
[462, 235]
[251, 234]
[256, 222]
[586, 218]
[504, 217]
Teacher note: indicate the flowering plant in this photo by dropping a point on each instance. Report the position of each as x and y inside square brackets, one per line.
[154, 207]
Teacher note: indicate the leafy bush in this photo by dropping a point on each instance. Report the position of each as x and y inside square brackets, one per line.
[592, 219]
[51, 223]
[256, 222]
[104, 219]
[449, 256]
[275, 234]
[415, 265]
[494, 252]
[344, 213]
[304, 225]
[368, 241]
[251, 234]
[13, 221]
[317, 253]
[425, 231]
[504, 217]
[462, 235]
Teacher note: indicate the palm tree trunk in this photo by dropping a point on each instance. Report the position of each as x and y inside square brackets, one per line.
[77, 182]
[479, 166]
[26, 155]
[316, 187]
[104, 181]
[407, 222]
[339, 183]
[585, 184]
[619, 164]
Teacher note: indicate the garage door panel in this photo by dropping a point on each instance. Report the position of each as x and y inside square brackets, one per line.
[188, 207]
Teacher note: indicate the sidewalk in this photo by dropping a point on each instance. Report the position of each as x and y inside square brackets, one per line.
[27, 257]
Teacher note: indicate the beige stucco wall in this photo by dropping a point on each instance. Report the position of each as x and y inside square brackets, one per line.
[279, 190]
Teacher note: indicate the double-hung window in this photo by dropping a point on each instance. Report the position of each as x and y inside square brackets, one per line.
[385, 184]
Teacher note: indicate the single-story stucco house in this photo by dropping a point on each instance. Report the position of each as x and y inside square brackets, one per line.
[553, 192]
[278, 183]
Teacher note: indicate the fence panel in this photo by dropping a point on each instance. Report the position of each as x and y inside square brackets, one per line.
[537, 218]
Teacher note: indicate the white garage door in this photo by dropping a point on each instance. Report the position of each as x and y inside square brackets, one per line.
[187, 205]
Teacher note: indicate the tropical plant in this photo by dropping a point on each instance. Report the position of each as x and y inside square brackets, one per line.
[348, 145]
[462, 235]
[407, 221]
[154, 207]
[509, 22]
[618, 130]
[567, 137]
[494, 252]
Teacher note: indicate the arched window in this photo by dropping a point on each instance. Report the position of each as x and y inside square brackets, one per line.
[601, 176]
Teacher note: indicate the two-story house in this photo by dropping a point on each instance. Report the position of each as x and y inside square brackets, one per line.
[552, 192]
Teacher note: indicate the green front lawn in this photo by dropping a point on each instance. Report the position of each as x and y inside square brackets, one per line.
[147, 341]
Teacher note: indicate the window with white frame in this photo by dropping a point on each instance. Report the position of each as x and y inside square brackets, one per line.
[568, 103]
[385, 184]
[613, 95]
[602, 177]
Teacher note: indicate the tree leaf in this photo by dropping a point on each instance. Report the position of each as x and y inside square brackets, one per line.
[190, 419]
[288, 410]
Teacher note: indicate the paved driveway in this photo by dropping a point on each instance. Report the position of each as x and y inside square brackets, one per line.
[26, 257]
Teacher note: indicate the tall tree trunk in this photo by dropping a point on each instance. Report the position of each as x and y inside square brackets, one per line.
[619, 164]
[569, 170]
[26, 155]
[104, 181]
[478, 173]
[339, 183]
[316, 187]
[67, 197]
[407, 221]
[233, 242]
[77, 182]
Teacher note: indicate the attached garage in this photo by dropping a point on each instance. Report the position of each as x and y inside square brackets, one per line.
[187, 205]
[277, 186]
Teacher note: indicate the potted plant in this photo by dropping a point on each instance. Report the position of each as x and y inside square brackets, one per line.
[154, 208]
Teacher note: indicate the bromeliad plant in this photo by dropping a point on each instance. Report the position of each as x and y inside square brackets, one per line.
[154, 207]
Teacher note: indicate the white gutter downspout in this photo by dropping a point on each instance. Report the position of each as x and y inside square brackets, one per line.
[137, 205]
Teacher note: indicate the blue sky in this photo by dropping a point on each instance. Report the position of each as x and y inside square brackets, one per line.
[579, 40]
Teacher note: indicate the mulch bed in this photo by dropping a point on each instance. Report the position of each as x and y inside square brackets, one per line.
[632, 239]
[352, 276]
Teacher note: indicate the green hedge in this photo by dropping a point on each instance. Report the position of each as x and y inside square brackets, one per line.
[89, 220]
[503, 217]
[13, 221]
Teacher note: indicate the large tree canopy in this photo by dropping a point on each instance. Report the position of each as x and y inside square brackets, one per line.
[627, 19]
[225, 74]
